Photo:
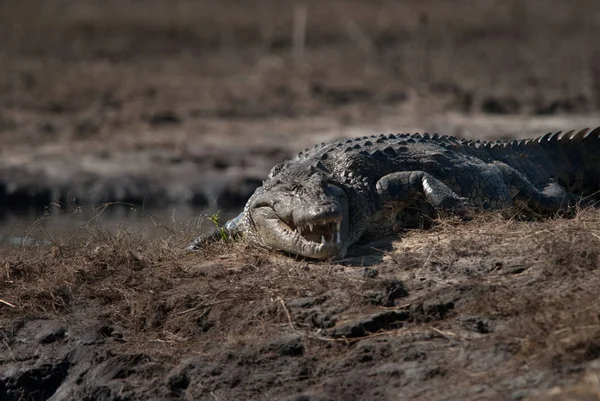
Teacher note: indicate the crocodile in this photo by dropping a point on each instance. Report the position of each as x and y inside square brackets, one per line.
[327, 198]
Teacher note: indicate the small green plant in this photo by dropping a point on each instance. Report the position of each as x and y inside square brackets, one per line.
[216, 220]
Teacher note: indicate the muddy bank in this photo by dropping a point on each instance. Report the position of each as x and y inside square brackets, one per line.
[491, 309]
[200, 174]
[192, 102]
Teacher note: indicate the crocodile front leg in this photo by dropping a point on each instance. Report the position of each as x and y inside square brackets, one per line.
[409, 186]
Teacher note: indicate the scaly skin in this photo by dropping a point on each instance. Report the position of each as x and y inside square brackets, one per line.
[325, 199]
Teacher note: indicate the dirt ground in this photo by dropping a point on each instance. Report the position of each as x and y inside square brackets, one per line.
[490, 309]
[191, 103]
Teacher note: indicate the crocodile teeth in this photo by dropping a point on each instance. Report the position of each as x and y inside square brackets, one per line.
[327, 229]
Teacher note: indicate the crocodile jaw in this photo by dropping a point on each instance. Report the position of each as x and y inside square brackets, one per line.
[319, 238]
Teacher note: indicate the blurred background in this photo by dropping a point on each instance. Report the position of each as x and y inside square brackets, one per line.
[181, 107]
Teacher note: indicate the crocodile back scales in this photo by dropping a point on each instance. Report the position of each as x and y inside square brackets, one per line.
[572, 159]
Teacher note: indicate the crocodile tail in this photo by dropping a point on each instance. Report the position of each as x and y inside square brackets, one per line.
[571, 159]
[551, 139]
[578, 157]
[571, 137]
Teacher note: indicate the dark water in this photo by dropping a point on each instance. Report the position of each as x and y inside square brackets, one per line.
[56, 225]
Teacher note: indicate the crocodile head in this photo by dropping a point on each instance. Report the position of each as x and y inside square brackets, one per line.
[304, 215]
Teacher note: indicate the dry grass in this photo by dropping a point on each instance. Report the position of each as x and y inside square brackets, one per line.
[540, 279]
[532, 286]
[153, 287]
[466, 58]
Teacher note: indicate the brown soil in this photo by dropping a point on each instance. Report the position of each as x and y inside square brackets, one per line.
[155, 103]
[489, 309]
